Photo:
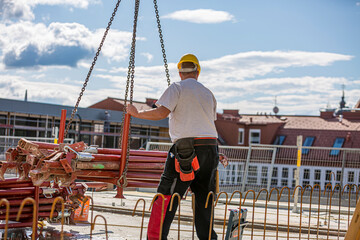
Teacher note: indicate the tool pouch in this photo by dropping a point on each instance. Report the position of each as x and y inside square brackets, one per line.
[186, 161]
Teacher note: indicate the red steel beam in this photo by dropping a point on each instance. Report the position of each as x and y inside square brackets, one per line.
[21, 185]
[16, 192]
[124, 142]
[133, 152]
[62, 126]
[15, 209]
[131, 183]
[41, 201]
[146, 165]
[116, 165]
[92, 179]
[142, 184]
[13, 181]
[17, 225]
[29, 215]
[97, 173]
[132, 175]
[146, 171]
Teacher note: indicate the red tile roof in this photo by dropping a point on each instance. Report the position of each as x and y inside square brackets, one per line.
[318, 123]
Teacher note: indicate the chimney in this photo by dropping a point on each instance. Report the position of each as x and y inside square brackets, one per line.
[232, 112]
[25, 99]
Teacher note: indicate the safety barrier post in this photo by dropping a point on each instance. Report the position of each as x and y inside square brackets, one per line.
[297, 173]
[271, 169]
[343, 168]
[246, 168]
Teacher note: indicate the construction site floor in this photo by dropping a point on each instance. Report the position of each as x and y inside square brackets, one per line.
[122, 225]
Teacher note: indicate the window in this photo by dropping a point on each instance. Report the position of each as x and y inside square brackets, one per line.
[275, 172]
[254, 136]
[284, 182]
[252, 175]
[241, 136]
[279, 140]
[274, 182]
[351, 177]
[328, 176]
[285, 173]
[338, 176]
[233, 174]
[264, 171]
[337, 144]
[305, 183]
[98, 128]
[264, 174]
[307, 143]
[306, 174]
[317, 174]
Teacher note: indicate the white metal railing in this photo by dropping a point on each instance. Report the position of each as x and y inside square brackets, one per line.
[268, 166]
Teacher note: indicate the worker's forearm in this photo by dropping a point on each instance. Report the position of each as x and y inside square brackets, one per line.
[152, 114]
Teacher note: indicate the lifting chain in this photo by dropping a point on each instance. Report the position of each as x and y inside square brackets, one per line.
[130, 81]
[162, 42]
[91, 68]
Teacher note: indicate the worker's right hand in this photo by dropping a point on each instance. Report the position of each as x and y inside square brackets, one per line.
[131, 109]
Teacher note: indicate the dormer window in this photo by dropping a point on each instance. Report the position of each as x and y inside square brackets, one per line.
[337, 144]
[279, 140]
[254, 136]
[307, 143]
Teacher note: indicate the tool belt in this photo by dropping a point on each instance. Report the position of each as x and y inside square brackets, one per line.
[186, 162]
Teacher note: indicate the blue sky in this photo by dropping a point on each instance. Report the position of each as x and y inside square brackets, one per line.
[301, 51]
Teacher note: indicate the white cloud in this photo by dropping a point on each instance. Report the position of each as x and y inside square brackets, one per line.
[73, 3]
[16, 9]
[22, 46]
[250, 64]
[148, 56]
[13, 87]
[201, 16]
[358, 4]
[23, 9]
[236, 77]
[236, 80]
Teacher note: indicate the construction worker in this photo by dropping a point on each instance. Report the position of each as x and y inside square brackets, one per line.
[193, 159]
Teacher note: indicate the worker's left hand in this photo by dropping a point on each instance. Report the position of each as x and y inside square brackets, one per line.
[131, 109]
[223, 160]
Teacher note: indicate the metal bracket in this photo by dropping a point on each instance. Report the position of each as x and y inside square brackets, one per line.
[91, 149]
[82, 156]
[48, 192]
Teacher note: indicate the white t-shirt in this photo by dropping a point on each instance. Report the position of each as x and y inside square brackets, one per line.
[193, 109]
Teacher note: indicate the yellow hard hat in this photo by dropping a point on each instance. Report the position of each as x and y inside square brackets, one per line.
[189, 58]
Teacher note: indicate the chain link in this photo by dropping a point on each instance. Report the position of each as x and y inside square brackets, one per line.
[130, 81]
[91, 68]
[162, 42]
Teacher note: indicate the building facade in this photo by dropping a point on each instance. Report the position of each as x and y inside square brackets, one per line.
[92, 125]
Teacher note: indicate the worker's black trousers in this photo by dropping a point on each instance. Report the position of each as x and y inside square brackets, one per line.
[204, 182]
